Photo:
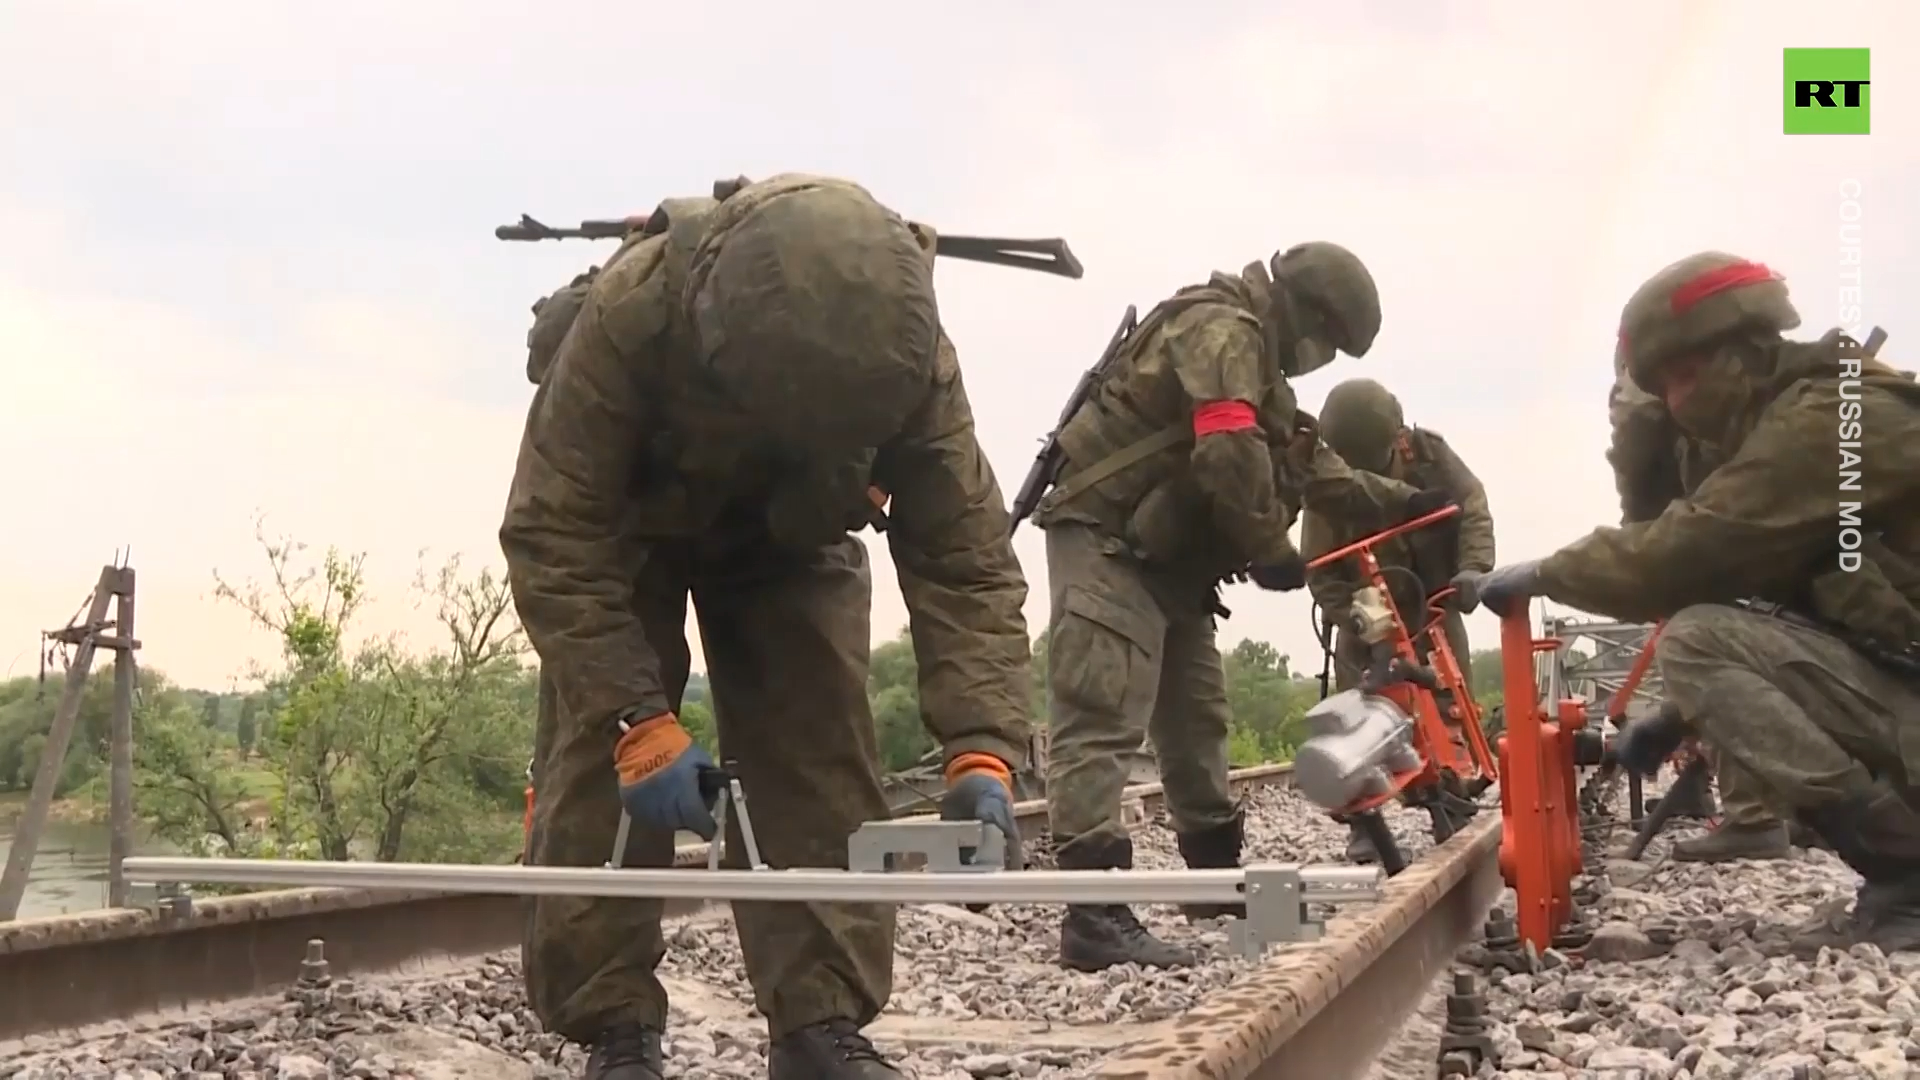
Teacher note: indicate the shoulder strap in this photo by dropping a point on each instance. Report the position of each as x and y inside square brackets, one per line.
[1167, 437]
[1124, 458]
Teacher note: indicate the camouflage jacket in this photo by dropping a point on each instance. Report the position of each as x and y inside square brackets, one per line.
[1768, 522]
[1219, 503]
[1425, 461]
[628, 446]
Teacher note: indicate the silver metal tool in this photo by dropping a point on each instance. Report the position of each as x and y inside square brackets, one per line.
[729, 791]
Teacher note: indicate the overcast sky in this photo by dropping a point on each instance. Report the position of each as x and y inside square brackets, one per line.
[247, 262]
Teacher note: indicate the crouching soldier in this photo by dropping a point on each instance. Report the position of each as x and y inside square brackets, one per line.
[1792, 610]
[1363, 423]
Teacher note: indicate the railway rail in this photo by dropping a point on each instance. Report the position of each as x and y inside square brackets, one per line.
[1322, 1008]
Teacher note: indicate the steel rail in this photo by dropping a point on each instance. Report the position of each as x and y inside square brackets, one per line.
[1319, 884]
[1325, 1010]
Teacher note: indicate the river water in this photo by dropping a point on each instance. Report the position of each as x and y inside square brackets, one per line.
[70, 871]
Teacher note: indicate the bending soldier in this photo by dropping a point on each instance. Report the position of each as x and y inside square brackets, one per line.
[1792, 608]
[1185, 464]
[1363, 423]
[1654, 462]
[714, 424]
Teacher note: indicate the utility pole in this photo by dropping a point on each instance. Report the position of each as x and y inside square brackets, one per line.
[115, 589]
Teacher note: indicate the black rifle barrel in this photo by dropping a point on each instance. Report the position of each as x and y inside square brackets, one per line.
[1049, 256]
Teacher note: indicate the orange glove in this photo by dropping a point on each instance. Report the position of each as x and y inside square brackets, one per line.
[980, 788]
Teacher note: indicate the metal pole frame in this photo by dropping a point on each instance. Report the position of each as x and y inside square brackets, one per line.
[1275, 895]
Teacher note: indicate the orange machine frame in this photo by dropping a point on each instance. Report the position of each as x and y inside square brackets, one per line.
[1431, 739]
[1539, 789]
[1617, 705]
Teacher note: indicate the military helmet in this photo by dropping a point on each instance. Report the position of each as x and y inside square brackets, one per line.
[1361, 421]
[814, 310]
[1338, 292]
[1695, 302]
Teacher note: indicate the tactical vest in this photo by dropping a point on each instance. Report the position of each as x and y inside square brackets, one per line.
[1118, 450]
[1432, 555]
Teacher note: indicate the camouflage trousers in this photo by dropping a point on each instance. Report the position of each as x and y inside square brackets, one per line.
[1742, 799]
[786, 641]
[1130, 656]
[1797, 717]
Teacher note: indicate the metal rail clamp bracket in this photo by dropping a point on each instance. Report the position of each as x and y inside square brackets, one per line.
[1276, 912]
[881, 846]
[731, 793]
[166, 900]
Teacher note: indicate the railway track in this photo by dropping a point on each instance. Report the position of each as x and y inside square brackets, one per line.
[976, 995]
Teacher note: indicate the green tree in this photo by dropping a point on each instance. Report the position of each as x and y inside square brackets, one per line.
[245, 729]
[1267, 704]
[697, 717]
[26, 715]
[893, 690]
[379, 751]
[182, 787]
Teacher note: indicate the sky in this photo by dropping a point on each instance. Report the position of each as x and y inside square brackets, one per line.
[247, 264]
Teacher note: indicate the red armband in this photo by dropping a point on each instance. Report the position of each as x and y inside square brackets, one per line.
[1221, 417]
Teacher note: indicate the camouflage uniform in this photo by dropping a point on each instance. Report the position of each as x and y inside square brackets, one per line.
[1655, 463]
[704, 431]
[1827, 734]
[1363, 423]
[1187, 463]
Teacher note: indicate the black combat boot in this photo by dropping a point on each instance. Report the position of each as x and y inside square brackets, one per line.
[625, 1052]
[1094, 937]
[1802, 837]
[1729, 841]
[1217, 848]
[1696, 802]
[1879, 837]
[829, 1050]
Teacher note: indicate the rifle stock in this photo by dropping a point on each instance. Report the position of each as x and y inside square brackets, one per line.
[1046, 464]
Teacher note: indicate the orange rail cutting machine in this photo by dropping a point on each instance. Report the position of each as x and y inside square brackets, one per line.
[1440, 776]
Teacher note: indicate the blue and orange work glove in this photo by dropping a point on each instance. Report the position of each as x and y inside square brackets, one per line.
[980, 788]
[1507, 588]
[665, 779]
[1645, 745]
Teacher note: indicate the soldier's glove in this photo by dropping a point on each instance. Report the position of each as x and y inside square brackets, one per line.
[980, 788]
[1284, 576]
[1466, 590]
[1505, 588]
[1645, 745]
[661, 772]
[1422, 503]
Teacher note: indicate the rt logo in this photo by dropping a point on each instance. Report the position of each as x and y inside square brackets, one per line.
[1827, 92]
